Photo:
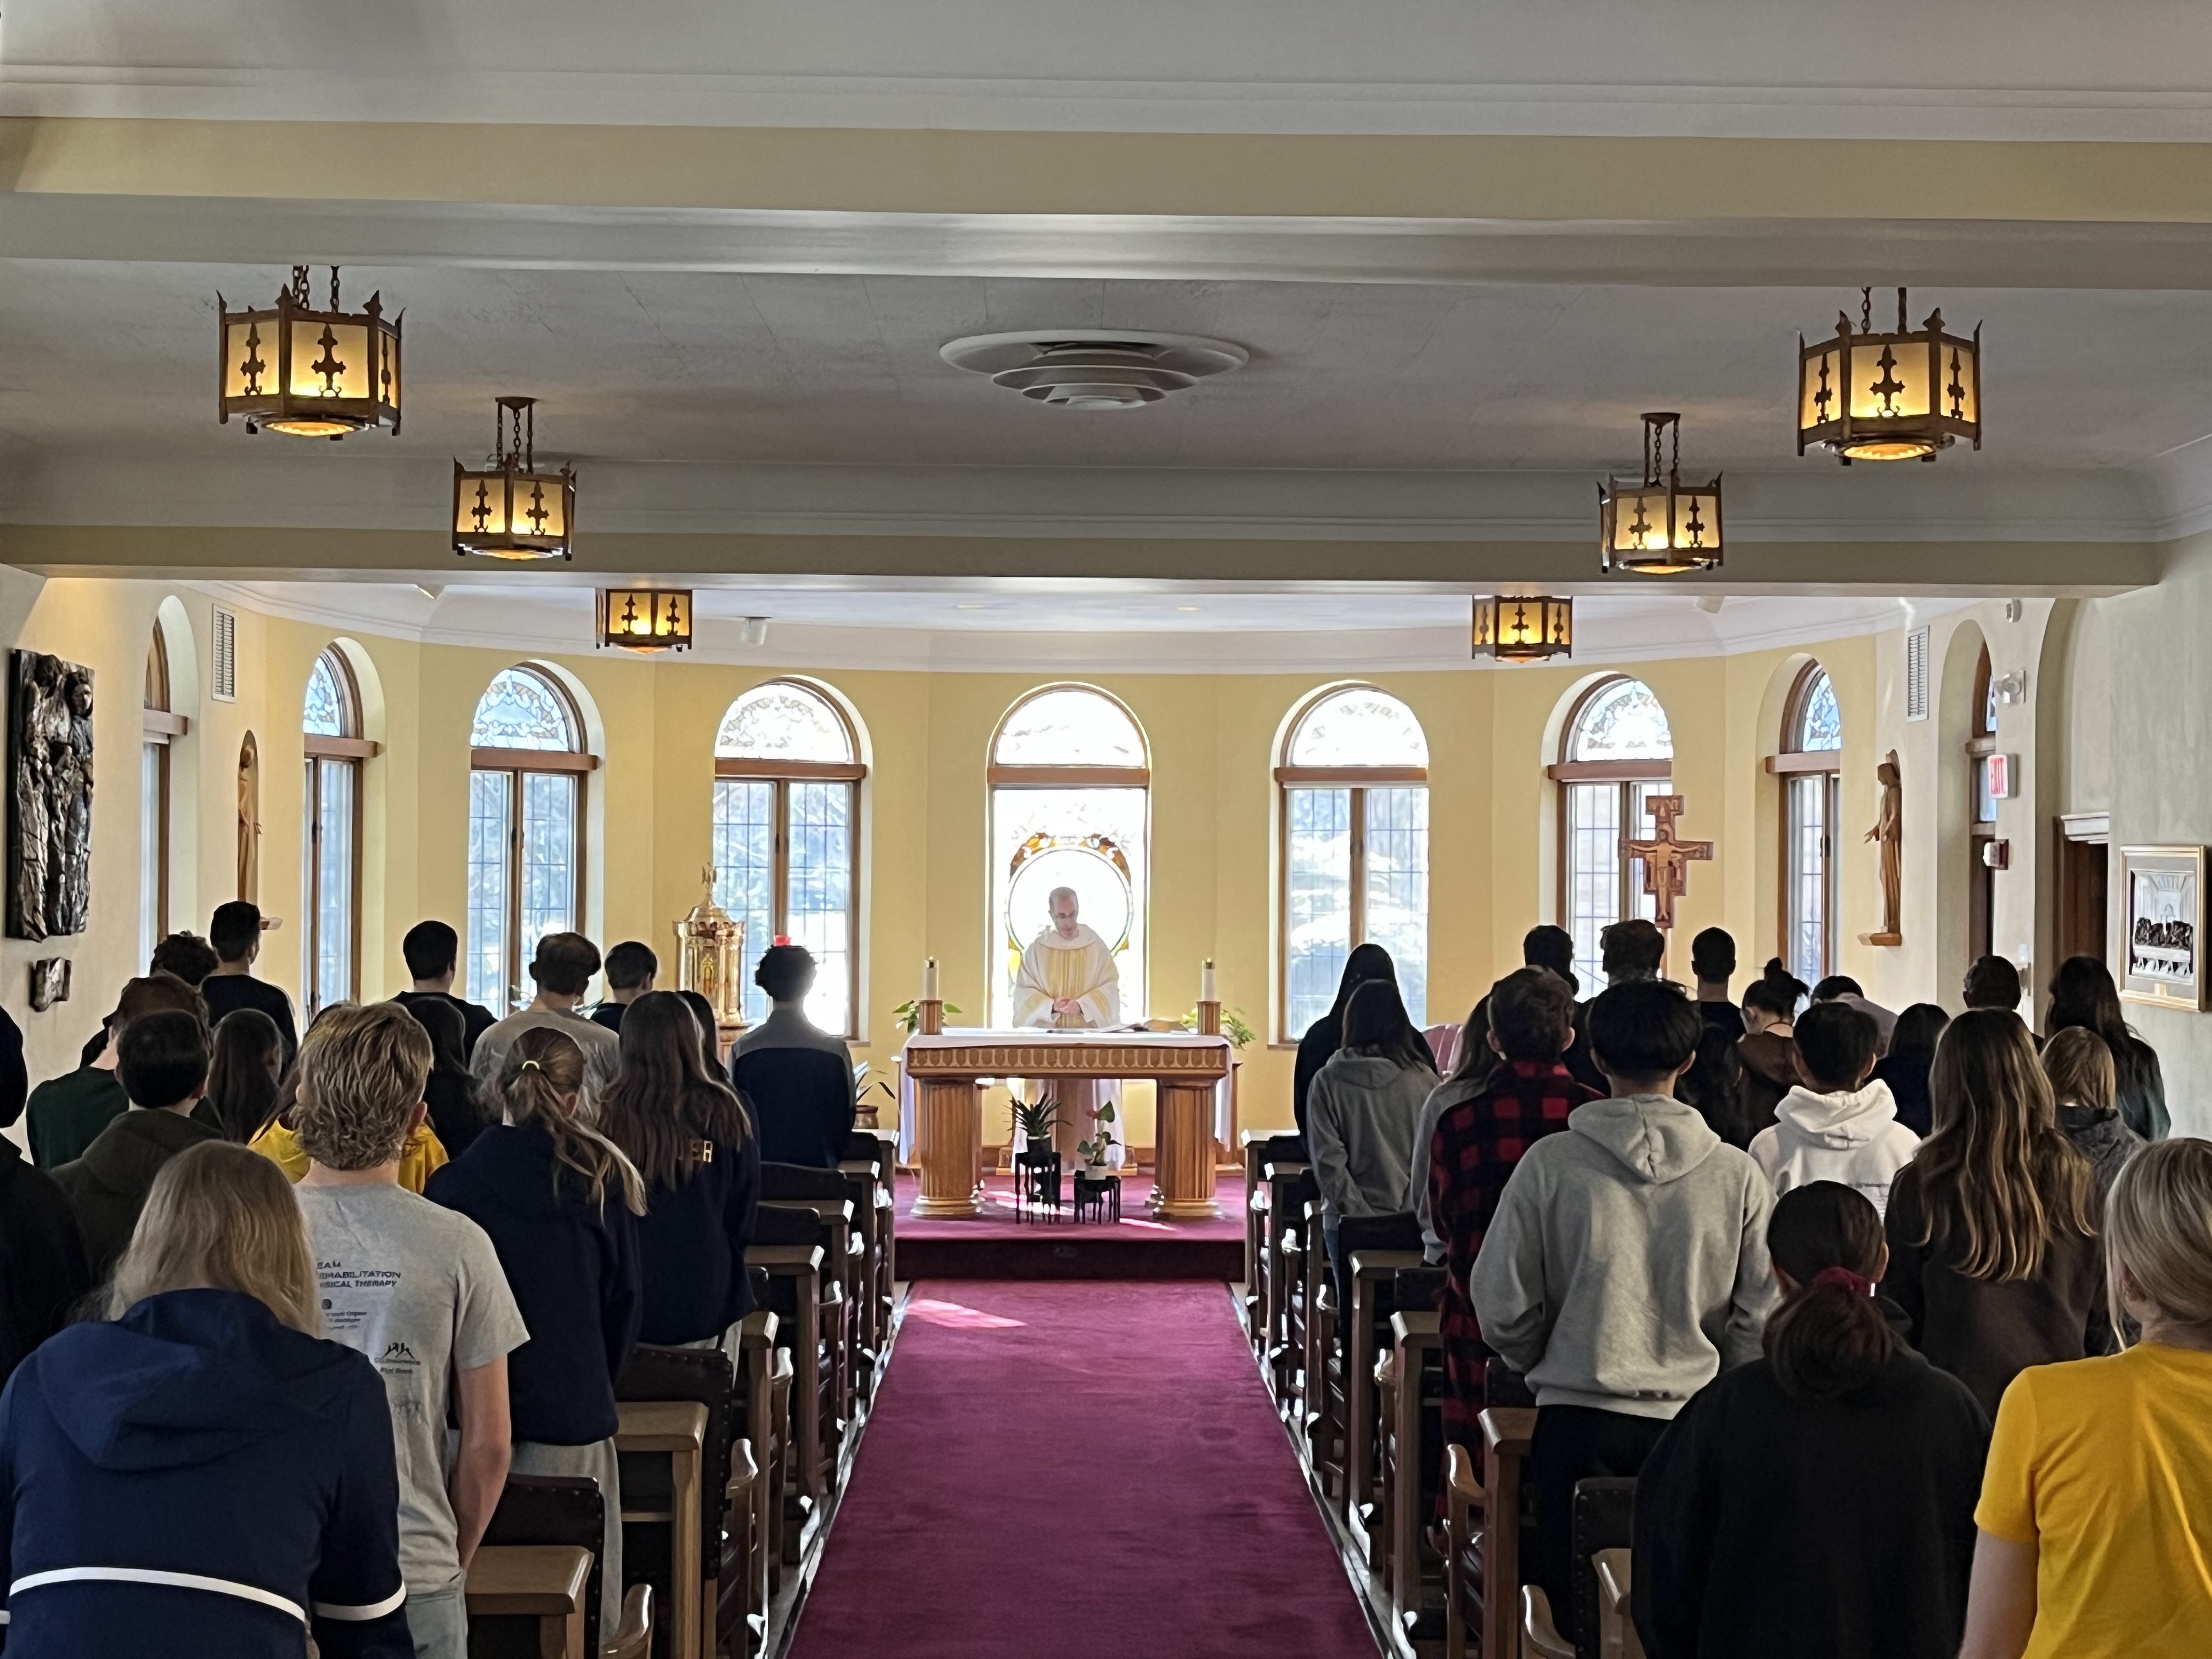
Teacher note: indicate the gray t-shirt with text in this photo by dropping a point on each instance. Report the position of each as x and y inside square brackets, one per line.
[419, 1289]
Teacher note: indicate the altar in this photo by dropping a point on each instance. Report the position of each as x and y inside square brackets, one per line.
[948, 1069]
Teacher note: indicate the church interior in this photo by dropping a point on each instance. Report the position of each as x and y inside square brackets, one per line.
[1078, 528]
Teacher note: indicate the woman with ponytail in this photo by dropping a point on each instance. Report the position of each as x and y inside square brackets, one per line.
[561, 1203]
[693, 1142]
[1993, 1249]
[1818, 1502]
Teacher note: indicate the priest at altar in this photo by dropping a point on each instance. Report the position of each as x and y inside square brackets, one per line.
[1068, 981]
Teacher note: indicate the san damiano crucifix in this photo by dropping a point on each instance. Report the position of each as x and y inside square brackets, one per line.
[1666, 860]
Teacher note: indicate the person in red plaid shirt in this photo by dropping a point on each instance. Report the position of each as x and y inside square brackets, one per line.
[1504, 1096]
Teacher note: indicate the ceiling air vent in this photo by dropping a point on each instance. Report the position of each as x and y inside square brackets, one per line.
[225, 655]
[1094, 368]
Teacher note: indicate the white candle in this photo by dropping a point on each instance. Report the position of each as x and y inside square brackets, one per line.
[1206, 991]
[929, 980]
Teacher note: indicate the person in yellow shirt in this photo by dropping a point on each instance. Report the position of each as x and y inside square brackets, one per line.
[2095, 1518]
[422, 1156]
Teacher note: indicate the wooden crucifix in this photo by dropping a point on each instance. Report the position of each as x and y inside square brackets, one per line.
[1666, 860]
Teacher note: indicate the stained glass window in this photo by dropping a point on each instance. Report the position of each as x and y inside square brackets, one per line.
[1069, 726]
[329, 874]
[1359, 727]
[329, 707]
[783, 721]
[786, 846]
[520, 710]
[1623, 721]
[1820, 722]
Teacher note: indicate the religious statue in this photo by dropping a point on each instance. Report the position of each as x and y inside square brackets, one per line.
[50, 822]
[1666, 860]
[1068, 981]
[249, 821]
[1889, 832]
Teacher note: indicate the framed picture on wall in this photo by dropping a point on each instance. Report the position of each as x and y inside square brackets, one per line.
[2162, 932]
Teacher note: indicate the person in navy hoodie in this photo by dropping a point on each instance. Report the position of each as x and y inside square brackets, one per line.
[204, 1477]
[693, 1142]
[560, 1203]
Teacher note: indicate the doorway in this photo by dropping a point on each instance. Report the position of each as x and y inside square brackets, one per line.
[2084, 871]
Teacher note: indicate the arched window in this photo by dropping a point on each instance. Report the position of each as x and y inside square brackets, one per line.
[527, 763]
[1618, 751]
[1355, 836]
[1070, 787]
[787, 774]
[160, 728]
[1810, 767]
[329, 724]
[1981, 880]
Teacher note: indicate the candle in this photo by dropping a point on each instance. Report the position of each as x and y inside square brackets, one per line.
[1206, 990]
[929, 980]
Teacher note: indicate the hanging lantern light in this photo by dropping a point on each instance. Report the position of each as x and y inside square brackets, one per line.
[311, 373]
[1523, 628]
[1899, 396]
[1660, 526]
[511, 510]
[645, 619]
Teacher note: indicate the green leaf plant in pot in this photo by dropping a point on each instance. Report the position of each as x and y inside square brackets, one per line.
[1035, 1120]
[1098, 1152]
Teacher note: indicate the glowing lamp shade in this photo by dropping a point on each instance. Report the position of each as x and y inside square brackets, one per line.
[510, 509]
[1902, 396]
[1523, 628]
[1659, 525]
[645, 619]
[308, 372]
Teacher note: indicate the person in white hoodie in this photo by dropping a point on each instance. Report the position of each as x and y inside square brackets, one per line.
[1364, 1111]
[1836, 1124]
[1626, 1265]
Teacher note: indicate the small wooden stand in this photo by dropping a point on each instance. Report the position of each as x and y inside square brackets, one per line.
[1209, 1019]
[1882, 939]
[949, 1134]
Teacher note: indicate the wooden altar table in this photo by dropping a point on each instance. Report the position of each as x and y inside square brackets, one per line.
[949, 1067]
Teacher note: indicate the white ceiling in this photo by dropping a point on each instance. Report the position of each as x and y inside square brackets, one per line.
[691, 400]
[2008, 68]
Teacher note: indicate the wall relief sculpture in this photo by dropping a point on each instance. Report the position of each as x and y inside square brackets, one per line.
[50, 801]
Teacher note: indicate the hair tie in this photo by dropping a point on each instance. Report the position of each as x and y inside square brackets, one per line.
[530, 1065]
[1856, 1283]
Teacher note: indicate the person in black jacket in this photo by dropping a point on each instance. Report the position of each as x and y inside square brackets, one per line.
[243, 1072]
[41, 1257]
[560, 1203]
[2082, 994]
[1819, 1502]
[204, 1478]
[1326, 1034]
[1912, 1052]
[796, 1077]
[457, 1111]
[693, 1145]
[235, 932]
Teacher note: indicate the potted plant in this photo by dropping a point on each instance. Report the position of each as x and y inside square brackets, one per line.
[1101, 1152]
[1035, 1120]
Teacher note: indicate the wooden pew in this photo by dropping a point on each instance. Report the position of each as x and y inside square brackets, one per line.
[795, 1273]
[675, 1430]
[827, 1195]
[544, 1584]
[735, 1398]
[759, 1445]
[1603, 1520]
[1372, 1276]
[1507, 1433]
[1280, 1178]
[1321, 1397]
[1334, 1385]
[1617, 1637]
[1299, 1243]
[1259, 1151]
[1417, 1346]
[867, 1157]
[564, 1510]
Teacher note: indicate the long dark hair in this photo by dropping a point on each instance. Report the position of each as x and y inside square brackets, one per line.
[1783, 980]
[1713, 1085]
[242, 1073]
[1375, 1023]
[2082, 994]
[1917, 1030]
[1367, 964]
[1828, 1337]
[710, 1032]
[541, 1082]
[665, 1109]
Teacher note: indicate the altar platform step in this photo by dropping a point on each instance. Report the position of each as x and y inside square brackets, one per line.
[995, 1245]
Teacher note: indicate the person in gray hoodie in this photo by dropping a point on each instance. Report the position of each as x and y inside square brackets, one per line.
[1364, 1111]
[1836, 1124]
[1626, 1265]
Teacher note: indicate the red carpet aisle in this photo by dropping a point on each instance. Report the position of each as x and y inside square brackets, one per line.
[1080, 1470]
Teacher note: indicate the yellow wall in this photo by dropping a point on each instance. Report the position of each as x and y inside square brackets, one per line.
[925, 879]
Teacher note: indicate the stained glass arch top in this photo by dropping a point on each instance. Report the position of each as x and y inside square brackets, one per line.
[1356, 726]
[1622, 719]
[521, 708]
[328, 710]
[1069, 726]
[784, 720]
[1818, 724]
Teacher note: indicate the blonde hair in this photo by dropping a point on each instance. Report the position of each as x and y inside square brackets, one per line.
[2158, 1224]
[220, 1216]
[540, 1083]
[361, 1075]
[1997, 1177]
[2079, 1064]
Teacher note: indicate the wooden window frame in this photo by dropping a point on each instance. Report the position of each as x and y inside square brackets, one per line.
[349, 750]
[1357, 779]
[159, 728]
[1624, 774]
[516, 764]
[1981, 880]
[1795, 763]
